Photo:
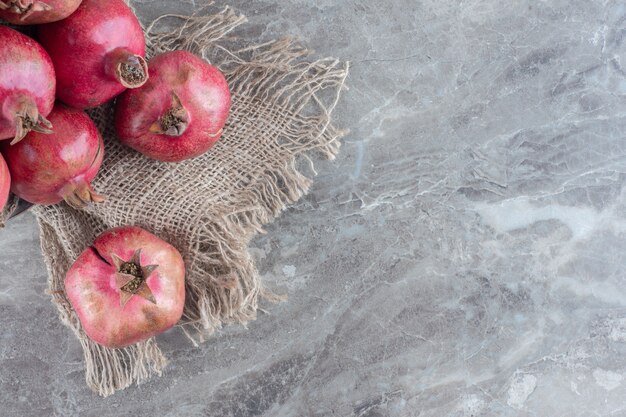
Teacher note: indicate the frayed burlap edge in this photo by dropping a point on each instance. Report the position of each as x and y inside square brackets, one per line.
[276, 73]
[8, 210]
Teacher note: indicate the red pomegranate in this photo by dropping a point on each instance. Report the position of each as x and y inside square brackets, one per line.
[36, 12]
[127, 287]
[46, 169]
[27, 86]
[97, 52]
[179, 113]
[5, 183]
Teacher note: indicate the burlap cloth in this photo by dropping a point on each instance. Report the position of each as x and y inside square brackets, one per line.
[209, 207]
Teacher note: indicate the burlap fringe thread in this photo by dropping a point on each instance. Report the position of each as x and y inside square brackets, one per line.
[281, 116]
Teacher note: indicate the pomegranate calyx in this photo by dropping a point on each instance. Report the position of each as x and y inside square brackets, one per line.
[175, 120]
[80, 195]
[131, 278]
[28, 118]
[25, 8]
[128, 69]
[133, 73]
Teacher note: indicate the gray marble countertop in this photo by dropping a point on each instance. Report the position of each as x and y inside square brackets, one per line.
[464, 256]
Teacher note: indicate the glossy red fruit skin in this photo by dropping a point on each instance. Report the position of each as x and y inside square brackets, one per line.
[90, 285]
[45, 11]
[45, 169]
[203, 92]
[26, 75]
[5, 183]
[82, 45]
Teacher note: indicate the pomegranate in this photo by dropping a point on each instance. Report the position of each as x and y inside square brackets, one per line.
[5, 183]
[27, 86]
[97, 52]
[127, 287]
[179, 113]
[35, 12]
[60, 166]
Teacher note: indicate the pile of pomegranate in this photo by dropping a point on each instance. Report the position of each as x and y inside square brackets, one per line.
[129, 285]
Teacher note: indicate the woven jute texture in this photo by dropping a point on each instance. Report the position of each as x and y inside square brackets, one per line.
[209, 207]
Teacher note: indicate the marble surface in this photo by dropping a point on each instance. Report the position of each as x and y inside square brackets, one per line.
[464, 256]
